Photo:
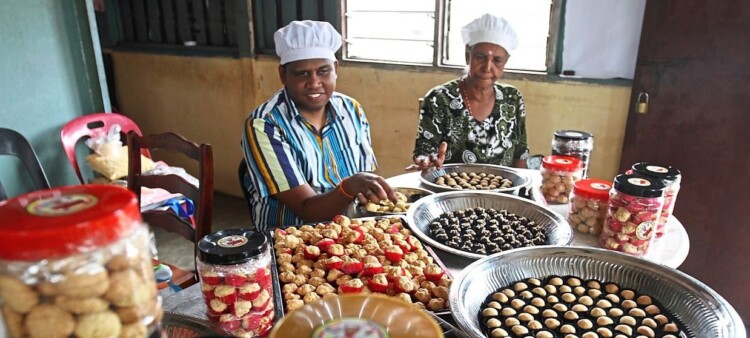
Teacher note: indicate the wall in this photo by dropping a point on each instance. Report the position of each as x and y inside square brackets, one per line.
[48, 76]
[207, 99]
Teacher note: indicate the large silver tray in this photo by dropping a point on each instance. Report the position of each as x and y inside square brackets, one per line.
[703, 312]
[427, 209]
[427, 177]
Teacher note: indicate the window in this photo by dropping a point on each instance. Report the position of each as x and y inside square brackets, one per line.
[429, 31]
[183, 26]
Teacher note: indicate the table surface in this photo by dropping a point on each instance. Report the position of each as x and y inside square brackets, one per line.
[670, 250]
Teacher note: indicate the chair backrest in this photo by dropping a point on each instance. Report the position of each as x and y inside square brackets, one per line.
[91, 125]
[241, 173]
[13, 143]
[202, 196]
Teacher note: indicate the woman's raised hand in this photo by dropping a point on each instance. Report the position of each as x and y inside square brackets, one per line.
[422, 162]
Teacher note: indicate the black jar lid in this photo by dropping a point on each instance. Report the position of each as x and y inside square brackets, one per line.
[667, 173]
[231, 246]
[573, 135]
[638, 185]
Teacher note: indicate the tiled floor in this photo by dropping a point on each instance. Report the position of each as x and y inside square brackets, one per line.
[229, 212]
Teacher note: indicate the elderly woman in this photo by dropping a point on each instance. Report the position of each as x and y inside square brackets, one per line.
[474, 119]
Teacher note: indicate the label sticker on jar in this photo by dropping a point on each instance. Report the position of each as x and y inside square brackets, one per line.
[639, 182]
[600, 186]
[657, 169]
[644, 230]
[232, 241]
[61, 205]
[563, 161]
[573, 134]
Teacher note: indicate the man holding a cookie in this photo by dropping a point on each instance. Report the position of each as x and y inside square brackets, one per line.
[308, 148]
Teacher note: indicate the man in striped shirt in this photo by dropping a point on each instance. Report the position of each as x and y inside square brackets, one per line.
[308, 148]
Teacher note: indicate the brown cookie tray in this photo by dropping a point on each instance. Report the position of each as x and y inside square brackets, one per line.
[280, 303]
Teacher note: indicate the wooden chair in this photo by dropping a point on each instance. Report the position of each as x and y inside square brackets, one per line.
[88, 126]
[13, 143]
[202, 196]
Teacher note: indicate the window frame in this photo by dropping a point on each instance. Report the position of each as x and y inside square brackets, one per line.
[554, 41]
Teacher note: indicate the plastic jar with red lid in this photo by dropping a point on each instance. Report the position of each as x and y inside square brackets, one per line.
[634, 208]
[559, 173]
[671, 177]
[76, 261]
[588, 205]
[234, 267]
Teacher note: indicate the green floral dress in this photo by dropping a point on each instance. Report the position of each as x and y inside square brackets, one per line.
[499, 139]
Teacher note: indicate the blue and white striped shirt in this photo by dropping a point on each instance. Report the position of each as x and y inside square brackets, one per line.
[283, 150]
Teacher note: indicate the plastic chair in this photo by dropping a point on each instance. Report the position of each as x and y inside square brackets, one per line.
[90, 126]
[202, 196]
[13, 143]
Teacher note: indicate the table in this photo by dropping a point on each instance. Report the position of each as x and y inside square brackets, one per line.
[670, 250]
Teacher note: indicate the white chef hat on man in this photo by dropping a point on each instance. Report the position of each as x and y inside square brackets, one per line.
[302, 40]
[491, 29]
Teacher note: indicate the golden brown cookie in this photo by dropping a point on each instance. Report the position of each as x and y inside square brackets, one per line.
[130, 314]
[81, 306]
[13, 322]
[49, 321]
[46, 288]
[103, 324]
[17, 295]
[134, 330]
[122, 261]
[128, 289]
[84, 284]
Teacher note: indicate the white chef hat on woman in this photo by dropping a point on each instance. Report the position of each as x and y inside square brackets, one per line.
[302, 40]
[491, 29]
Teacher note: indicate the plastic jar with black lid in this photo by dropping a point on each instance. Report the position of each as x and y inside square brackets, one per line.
[74, 262]
[574, 143]
[634, 208]
[234, 267]
[671, 177]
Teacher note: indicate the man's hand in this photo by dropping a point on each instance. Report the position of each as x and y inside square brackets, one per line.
[368, 187]
[423, 162]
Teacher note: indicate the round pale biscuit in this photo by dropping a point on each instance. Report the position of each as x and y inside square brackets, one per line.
[13, 322]
[17, 295]
[84, 285]
[134, 330]
[103, 324]
[131, 314]
[49, 321]
[81, 306]
[128, 289]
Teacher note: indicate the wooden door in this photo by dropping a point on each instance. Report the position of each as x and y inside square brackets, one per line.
[694, 62]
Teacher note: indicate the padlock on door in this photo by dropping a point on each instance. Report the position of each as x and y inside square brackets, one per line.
[641, 105]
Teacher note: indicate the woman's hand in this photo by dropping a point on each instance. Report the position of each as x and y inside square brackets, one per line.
[422, 162]
[368, 187]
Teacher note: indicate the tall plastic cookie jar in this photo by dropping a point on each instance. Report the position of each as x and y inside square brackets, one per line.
[589, 203]
[559, 174]
[574, 143]
[75, 262]
[671, 177]
[635, 204]
[234, 267]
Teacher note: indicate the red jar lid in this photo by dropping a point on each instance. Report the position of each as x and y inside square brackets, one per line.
[561, 163]
[63, 221]
[592, 189]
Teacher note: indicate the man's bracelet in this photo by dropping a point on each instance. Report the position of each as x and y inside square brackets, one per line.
[343, 192]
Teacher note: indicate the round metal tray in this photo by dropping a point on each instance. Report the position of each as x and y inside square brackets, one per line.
[520, 180]
[175, 325]
[702, 311]
[427, 209]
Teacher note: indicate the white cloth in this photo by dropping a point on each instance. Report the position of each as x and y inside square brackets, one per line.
[491, 29]
[302, 40]
[602, 37]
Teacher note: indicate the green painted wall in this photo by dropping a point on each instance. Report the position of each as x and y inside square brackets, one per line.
[48, 75]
